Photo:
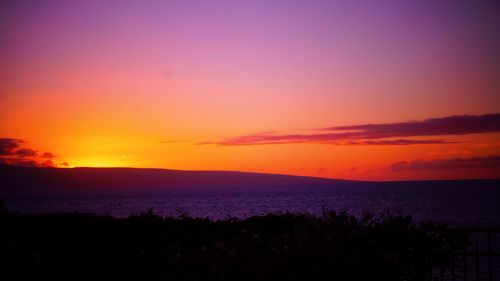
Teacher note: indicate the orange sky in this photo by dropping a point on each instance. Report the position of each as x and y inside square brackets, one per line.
[165, 83]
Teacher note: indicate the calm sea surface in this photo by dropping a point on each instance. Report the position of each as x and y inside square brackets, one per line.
[461, 204]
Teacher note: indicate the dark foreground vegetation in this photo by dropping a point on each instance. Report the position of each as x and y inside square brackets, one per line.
[144, 246]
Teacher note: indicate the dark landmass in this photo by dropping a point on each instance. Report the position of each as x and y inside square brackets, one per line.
[22, 178]
[144, 246]
[62, 178]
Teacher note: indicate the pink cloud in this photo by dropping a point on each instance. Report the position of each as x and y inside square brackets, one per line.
[371, 134]
[48, 155]
[396, 142]
[491, 161]
[13, 152]
[26, 152]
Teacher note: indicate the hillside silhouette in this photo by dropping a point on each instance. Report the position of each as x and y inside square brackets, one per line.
[59, 178]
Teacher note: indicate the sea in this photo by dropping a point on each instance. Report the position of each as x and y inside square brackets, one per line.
[472, 205]
[461, 204]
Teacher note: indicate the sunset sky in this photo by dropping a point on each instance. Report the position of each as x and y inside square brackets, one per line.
[378, 90]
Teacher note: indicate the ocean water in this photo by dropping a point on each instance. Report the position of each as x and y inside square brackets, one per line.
[470, 204]
[461, 204]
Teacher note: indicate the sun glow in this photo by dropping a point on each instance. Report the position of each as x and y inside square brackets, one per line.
[251, 86]
[98, 162]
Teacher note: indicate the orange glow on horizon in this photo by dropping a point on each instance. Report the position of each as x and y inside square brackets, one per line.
[187, 86]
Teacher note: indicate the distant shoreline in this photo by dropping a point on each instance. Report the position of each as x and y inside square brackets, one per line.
[26, 178]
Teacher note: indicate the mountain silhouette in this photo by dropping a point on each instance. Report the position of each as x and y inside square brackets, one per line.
[58, 178]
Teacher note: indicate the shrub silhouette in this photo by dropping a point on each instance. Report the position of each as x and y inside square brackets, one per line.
[145, 246]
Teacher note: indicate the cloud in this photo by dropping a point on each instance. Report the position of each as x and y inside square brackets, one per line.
[46, 163]
[7, 146]
[48, 155]
[396, 142]
[451, 125]
[371, 134]
[492, 161]
[13, 152]
[271, 138]
[19, 162]
[26, 152]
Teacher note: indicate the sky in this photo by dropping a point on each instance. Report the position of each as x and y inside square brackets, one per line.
[369, 90]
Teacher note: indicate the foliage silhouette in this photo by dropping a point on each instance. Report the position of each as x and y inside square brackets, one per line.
[145, 246]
